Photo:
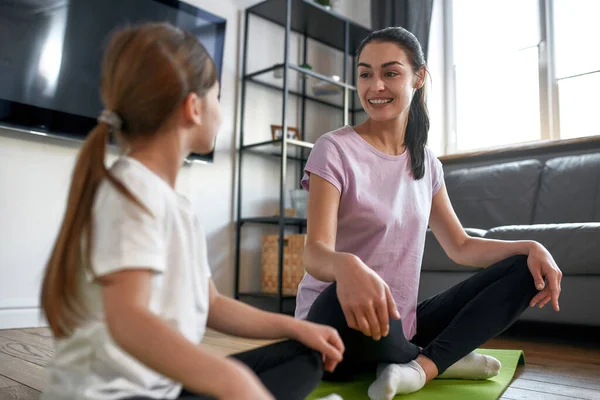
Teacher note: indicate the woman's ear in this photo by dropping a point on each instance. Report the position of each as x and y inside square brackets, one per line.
[193, 109]
[420, 77]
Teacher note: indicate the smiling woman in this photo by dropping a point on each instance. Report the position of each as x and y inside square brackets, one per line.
[374, 190]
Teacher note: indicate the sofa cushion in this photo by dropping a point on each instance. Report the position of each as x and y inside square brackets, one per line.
[574, 247]
[569, 190]
[434, 257]
[502, 194]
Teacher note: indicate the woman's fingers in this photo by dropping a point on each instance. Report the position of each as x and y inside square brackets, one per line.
[383, 316]
[363, 324]
[544, 301]
[374, 327]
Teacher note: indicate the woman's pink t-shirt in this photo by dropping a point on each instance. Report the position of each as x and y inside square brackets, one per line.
[383, 214]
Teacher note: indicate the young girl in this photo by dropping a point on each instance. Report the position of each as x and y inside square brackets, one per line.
[374, 189]
[127, 290]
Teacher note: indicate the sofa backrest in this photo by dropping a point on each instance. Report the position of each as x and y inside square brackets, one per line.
[569, 190]
[495, 195]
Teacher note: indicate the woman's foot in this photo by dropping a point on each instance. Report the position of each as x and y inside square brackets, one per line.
[393, 379]
[473, 366]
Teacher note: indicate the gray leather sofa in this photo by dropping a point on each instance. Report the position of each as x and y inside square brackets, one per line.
[555, 202]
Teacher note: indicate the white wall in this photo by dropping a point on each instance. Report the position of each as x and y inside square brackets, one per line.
[357, 10]
[34, 180]
[35, 173]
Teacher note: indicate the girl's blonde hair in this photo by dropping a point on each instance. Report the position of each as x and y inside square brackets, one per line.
[148, 71]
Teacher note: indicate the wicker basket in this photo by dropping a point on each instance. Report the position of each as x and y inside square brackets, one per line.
[293, 269]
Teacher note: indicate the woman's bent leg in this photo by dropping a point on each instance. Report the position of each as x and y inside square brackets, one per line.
[362, 353]
[455, 322]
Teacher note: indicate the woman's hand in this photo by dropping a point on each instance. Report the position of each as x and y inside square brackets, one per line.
[321, 338]
[365, 298]
[542, 266]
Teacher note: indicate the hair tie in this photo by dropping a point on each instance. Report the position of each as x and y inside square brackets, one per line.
[111, 119]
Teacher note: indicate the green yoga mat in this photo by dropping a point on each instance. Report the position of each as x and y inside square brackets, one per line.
[447, 389]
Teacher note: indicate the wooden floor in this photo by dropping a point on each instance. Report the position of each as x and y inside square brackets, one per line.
[555, 370]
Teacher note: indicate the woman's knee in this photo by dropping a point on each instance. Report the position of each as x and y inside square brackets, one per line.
[521, 275]
[519, 266]
[513, 266]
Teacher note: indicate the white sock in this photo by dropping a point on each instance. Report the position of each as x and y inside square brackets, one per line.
[393, 379]
[333, 396]
[473, 366]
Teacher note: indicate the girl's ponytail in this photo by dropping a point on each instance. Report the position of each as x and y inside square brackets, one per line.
[60, 299]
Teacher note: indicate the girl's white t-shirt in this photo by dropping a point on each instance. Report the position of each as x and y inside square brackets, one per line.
[89, 365]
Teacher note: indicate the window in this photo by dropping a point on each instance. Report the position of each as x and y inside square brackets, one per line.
[577, 61]
[498, 61]
[579, 102]
[496, 72]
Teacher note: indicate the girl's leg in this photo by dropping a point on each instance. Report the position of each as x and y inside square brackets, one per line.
[455, 322]
[288, 369]
[362, 353]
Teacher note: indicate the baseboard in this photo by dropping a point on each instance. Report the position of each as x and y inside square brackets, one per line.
[21, 318]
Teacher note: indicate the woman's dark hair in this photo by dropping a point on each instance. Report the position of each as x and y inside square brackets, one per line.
[417, 126]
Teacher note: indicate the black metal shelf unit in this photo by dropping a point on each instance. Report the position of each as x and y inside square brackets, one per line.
[317, 23]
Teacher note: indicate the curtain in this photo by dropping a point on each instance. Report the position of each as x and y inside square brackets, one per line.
[412, 15]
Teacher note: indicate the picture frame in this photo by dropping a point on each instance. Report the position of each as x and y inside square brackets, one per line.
[277, 132]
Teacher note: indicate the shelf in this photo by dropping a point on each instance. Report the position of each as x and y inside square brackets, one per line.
[296, 149]
[261, 78]
[295, 93]
[274, 221]
[314, 20]
[314, 23]
[292, 142]
[321, 77]
[304, 71]
[263, 71]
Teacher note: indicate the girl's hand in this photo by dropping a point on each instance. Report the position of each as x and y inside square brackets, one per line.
[365, 298]
[542, 266]
[323, 339]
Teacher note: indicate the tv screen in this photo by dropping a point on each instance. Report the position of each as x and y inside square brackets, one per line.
[51, 55]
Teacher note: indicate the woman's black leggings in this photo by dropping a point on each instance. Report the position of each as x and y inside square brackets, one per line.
[450, 325]
[288, 369]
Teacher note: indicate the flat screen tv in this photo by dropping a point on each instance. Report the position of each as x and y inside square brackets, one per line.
[51, 54]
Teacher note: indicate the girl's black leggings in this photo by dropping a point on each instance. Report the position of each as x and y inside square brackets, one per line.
[288, 369]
